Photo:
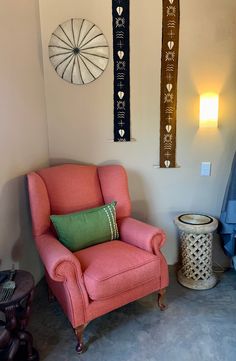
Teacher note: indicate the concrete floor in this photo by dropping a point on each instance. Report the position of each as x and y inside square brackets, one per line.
[197, 326]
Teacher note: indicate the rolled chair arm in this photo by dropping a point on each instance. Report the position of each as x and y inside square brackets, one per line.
[63, 267]
[59, 261]
[148, 238]
[141, 235]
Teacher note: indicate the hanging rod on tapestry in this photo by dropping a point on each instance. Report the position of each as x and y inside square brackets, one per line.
[158, 166]
[113, 141]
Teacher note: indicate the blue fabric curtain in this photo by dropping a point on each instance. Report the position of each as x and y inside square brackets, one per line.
[228, 216]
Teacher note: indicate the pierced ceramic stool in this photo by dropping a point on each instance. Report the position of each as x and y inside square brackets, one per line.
[196, 235]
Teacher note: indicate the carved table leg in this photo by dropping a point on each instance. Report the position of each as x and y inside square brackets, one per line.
[13, 349]
[24, 336]
[79, 334]
[161, 295]
[5, 337]
[9, 344]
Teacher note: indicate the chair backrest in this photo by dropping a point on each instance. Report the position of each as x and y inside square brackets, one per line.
[69, 188]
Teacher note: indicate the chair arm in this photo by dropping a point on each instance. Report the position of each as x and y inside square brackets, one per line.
[59, 261]
[141, 235]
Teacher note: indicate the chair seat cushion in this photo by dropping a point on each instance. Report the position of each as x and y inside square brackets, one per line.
[115, 267]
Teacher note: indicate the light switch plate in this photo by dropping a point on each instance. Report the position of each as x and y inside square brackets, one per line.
[205, 169]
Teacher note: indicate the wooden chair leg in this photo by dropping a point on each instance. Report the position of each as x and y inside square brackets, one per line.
[79, 334]
[161, 295]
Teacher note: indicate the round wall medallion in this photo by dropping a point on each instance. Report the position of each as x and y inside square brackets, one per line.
[78, 51]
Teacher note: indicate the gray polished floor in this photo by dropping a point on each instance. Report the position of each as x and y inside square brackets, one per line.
[197, 326]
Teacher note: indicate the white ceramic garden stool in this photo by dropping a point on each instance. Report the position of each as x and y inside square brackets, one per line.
[196, 235]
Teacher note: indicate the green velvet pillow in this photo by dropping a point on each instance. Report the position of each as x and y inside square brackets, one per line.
[86, 228]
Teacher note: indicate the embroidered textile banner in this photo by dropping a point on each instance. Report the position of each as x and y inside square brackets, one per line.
[120, 13]
[169, 73]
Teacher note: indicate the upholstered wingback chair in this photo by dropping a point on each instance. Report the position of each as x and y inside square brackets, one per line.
[98, 279]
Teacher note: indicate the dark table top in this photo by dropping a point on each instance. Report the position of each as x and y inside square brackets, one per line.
[24, 285]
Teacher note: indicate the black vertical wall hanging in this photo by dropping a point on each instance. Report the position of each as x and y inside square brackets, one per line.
[121, 56]
[169, 73]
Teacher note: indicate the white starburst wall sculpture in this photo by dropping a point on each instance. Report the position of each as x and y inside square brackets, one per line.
[78, 51]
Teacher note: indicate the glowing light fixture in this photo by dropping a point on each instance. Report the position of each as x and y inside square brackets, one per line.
[209, 105]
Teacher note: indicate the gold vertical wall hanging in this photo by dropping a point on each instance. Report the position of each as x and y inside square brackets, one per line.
[169, 74]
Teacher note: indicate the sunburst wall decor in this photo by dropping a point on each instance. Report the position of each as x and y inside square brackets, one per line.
[78, 51]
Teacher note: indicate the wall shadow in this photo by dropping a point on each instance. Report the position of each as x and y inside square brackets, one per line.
[17, 244]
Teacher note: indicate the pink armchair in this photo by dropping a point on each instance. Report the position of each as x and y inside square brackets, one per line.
[96, 280]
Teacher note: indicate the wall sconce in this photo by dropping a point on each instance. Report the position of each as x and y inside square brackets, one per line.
[209, 105]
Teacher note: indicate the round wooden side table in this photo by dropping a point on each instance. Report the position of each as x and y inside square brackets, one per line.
[196, 235]
[16, 344]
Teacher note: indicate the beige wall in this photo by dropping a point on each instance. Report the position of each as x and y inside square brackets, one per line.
[80, 118]
[23, 134]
